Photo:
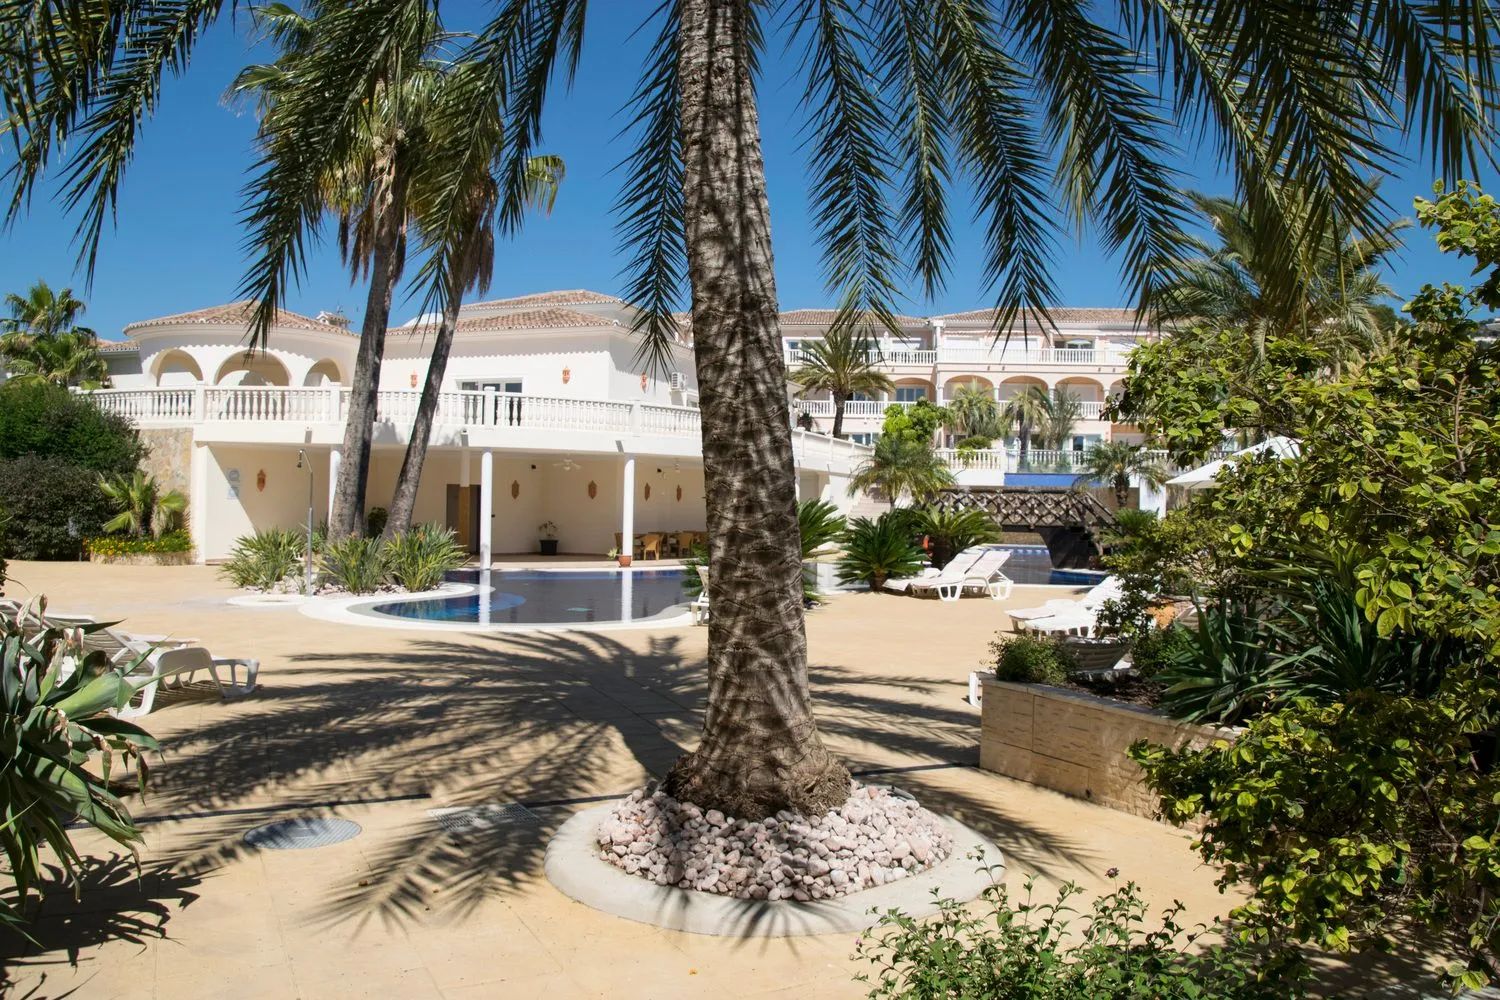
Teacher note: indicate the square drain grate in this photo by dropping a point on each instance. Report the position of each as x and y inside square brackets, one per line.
[471, 819]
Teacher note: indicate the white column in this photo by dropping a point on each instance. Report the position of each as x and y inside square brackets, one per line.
[627, 508]
[486, 503]
[465, 476]
[335, 456]
[198, 500]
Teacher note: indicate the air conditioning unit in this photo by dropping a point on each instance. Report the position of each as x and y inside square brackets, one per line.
[678, 382]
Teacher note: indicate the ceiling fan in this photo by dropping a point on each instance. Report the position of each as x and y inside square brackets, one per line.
[567, 464]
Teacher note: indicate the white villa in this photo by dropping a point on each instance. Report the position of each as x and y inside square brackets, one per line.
[548, 416]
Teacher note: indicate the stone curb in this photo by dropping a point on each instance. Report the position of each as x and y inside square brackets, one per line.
[573, 865]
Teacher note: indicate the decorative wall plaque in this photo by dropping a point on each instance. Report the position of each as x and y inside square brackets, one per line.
[593, 489]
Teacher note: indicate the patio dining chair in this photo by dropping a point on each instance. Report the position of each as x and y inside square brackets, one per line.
[651, 545]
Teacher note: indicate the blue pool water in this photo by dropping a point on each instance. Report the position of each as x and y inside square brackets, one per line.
[547, 597]
[583, 597]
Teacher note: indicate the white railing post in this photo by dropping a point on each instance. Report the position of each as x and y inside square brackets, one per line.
[635, 422]
[199, 404]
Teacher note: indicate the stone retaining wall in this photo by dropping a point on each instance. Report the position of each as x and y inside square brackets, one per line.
[169, 453]
[146, 559]
[1075, 743]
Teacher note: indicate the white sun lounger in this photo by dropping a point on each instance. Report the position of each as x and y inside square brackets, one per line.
[699, 607]
[983, 576]
[1108, 589]
[180, 666]
[957, 565]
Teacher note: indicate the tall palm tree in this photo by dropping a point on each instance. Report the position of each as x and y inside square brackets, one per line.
[476, 264]
[900, 467]
[1065, 408]
[1231, 284]
[1051, 116]
[1027, 411]
[1116, 463]
[973, 411]
[840, 365]
[41, 340]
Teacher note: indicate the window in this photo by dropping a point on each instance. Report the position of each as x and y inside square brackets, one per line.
[910, 393]
[863, 437]
[507, 401]
[859, 397]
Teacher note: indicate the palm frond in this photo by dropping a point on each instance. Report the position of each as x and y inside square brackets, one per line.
[650, 206]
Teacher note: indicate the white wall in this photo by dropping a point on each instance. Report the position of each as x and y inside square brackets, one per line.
[282, 504]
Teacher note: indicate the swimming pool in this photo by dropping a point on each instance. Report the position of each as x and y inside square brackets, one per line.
[1031, 564]
[549, 597]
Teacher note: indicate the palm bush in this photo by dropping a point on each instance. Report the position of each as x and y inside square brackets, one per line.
[60, 747]
[949, 532]
[266, 558]
[418, 559]
[143, 508]
[875, 551]
[902, 466]
[354, 564]
[1223, 669]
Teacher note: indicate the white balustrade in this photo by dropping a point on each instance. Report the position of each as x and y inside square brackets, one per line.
[974, 458]
[266, 402]
[147, 406]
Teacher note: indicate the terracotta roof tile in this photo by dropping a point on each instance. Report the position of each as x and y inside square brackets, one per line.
[1059, 315]
[533, 319]
[237, 314]
[117, 346]
[570, 297]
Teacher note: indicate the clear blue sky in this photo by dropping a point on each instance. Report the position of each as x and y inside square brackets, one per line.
[177, 242]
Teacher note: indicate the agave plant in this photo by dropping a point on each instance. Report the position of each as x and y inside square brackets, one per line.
[265, 558]
[55, 723]
[355, 564]
[1224, 669]
[418, 559]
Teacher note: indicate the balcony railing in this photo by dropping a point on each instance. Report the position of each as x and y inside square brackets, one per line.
[260, 404]
[855, 408]
[1009, 356]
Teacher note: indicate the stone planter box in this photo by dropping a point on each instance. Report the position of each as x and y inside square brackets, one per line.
[146, 559]
[1075, 743]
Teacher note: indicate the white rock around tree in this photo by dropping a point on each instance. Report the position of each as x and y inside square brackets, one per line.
[874, 838]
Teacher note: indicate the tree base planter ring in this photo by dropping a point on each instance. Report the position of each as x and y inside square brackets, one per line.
[573, 865]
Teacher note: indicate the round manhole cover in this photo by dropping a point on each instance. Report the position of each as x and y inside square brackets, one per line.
[302, 833]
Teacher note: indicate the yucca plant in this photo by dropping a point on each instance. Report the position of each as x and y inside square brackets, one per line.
[55, 700]
[875, 551]
[354, 564]
[265, 558]
[418, 559]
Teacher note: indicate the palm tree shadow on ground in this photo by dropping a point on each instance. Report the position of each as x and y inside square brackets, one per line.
[552, 721]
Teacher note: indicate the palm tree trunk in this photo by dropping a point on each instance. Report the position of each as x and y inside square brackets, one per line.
[838, 415]
[760, 750]
[404, 500]
[385, 269]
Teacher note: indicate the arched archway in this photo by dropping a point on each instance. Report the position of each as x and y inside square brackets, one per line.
[325, 372]
[959, 381]
[909, 390]
[1015, 385]
[176, 368]
[252, 368]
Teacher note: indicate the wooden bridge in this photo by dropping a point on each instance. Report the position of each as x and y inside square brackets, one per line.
[1071, 522]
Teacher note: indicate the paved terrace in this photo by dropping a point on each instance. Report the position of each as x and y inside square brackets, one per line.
[379, 726]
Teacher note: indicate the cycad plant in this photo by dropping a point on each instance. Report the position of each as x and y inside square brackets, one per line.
[879, 550]
[841, 365]
[1051, 117]
[949, 532]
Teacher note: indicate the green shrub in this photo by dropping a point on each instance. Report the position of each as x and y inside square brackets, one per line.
[418, 559]
[1002, 949]
[354, 564]
[875, 551]
[974, 442]
[1027, 659]
[375, 522]
[60, 749]
[1151, 649]
[266, 558]
[52, 507]
[48, 420]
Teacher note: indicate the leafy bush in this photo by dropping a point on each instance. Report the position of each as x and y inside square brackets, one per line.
[974, 442]
[60, 747]
[266, 558]
[1027, 659]
[125, 545]
[48, 420]
[1152, 649]
[1223, 670]
[950, 532]
[1002, 949]
[52, 507]
[375, 522]
[875, 551]
[418, 559]
[354, 564]
[1349, 820]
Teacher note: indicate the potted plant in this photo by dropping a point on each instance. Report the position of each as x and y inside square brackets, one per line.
[549, 538]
